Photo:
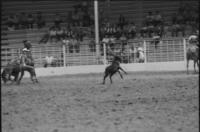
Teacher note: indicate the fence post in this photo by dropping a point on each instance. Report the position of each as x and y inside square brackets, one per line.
[184, 49]
[64, 55]
[145, 50]
[104, 53]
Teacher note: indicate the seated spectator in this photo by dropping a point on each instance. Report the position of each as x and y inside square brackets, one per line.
[80, 17]
[10, 23]
[180, 18]
[123, 39]
[58, 20]
[156, 40]
[86, 19]
[121, 21]
[75, 18]
[176, 28]
[53, 34]
[158, 30]
[118, 32]
[132, 30]
[149, 19]
[158, 20]
[174, 18]
[30, 21]
[60, 34]
[23, 21]
[74, 45]
[85, 6]
[68, 33]
[40, 21]
[144, 30]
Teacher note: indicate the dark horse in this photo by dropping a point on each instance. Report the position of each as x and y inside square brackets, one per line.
[14, 68]
[113, 68]
[192, 54]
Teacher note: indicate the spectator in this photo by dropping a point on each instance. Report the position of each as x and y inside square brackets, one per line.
[86, 19]
[53, 34]
[132, 30]
[144, 30]
[176, 28]
[180, 18]
[92, 46]
[16, 21]
[57, 20]
[74, 45]
[118, 32]
[30, 21]
[158, 20]
[75, 18]
[69, 17]
[50, 60]
[23, 21]
[40, 21]
[174, 18]
[149, 27]
[122, 21]
[80, 17]
[149, 19]
[156, 40]
[10, 23]
[60, 34]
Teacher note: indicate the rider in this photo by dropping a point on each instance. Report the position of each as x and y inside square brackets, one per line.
[194, 39]
[27, 58]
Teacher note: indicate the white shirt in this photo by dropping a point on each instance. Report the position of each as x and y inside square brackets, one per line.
[49, 59]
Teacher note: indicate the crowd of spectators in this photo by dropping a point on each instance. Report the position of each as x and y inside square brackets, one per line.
[25, 21]
[186, 18]
[64, 27]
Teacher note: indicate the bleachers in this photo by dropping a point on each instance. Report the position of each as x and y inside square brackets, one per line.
[132, 10]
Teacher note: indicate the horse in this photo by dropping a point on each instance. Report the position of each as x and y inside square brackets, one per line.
[113, 68]
[13, 68]
[192, 54]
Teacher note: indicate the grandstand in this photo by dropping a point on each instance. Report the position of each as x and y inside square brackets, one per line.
[169, 49]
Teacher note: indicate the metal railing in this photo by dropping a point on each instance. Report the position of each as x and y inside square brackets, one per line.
[173, 49]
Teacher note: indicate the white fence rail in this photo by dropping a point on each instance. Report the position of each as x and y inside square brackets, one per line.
[167, 50]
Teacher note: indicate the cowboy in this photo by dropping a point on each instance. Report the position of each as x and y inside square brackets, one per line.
[26, 55]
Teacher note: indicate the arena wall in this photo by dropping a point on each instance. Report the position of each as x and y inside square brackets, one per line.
[134, 67]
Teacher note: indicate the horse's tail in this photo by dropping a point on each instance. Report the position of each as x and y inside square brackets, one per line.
[3, 76]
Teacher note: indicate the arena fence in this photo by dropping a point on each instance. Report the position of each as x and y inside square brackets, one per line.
[167, 50]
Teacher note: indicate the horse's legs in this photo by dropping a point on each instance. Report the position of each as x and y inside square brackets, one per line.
[122, 70]
[21, 76]
[120, 74]
[33, 76]
[194, 66]
[187, 65]
[106, 74]
[111, 76]
[16, 77]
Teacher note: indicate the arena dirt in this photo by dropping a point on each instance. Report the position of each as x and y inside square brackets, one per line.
[142, 102]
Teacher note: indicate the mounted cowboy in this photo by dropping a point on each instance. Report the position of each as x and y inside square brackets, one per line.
[193, 50]
[20, 64]
[194, 39]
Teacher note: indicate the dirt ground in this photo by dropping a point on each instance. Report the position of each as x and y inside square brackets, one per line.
[142, 102]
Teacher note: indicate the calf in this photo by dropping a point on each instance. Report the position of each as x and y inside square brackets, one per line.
[113, 68]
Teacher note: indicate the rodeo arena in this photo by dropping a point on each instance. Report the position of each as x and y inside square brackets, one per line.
[100, 66]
